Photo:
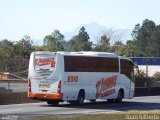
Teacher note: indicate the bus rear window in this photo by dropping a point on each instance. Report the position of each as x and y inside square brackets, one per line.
[44, 62]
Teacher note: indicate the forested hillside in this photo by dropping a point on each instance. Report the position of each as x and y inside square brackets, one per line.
[14, 55]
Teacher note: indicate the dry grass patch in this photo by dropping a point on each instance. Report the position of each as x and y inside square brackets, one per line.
[129, 115]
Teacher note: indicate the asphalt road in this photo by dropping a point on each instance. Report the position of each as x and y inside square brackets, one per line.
[42, 109]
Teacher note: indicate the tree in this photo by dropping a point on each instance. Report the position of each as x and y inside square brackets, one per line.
[154, 45]
[24, 47]
[135, 33]
[80, 42]
[39, 48]
[130, 49]
[142, 35]
[118, 48]
[6, 48]
[103, 44]
[6, 51]
[104, 41]
[83, 34]
[54, 42]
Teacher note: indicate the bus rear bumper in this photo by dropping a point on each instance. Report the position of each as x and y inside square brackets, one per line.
[45, 96]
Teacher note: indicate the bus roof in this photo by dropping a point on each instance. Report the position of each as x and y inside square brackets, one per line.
[89, 53]
[86, 53]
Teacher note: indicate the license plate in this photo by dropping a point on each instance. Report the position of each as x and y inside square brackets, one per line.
[44, 86]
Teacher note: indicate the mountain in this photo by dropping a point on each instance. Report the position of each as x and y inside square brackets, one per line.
[95, 30]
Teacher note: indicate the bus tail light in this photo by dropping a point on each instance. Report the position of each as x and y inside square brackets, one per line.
[59, 87]
[29, 85]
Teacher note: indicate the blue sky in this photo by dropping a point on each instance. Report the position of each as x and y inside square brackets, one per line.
[38, 18]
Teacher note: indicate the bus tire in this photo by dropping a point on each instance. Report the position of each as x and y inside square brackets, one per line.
[120, 96]
[110, 100]
[72, 102]
[93, 100]
[81, 97]
[51, 102]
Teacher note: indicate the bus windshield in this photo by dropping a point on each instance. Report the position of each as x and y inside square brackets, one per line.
[44, 63]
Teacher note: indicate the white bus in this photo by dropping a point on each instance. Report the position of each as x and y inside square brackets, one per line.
[77, 76]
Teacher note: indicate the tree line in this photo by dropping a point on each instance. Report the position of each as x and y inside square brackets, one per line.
[145, 43]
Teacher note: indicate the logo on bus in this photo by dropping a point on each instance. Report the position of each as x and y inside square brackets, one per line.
[45, 61]
[106, 86]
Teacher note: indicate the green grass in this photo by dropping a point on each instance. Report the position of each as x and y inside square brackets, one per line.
[107, 116]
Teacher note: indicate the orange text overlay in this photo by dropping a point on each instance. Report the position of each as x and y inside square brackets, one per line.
[72, 79]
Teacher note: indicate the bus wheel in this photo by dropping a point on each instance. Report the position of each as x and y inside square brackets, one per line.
[51, 102]
[110, 100]
[72, 102]
[120, 96]
[81, 97]
[93, 101]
